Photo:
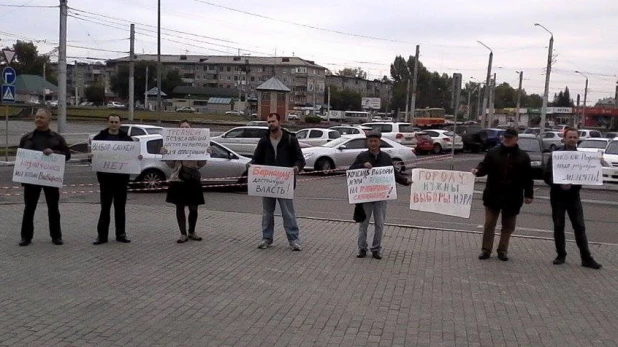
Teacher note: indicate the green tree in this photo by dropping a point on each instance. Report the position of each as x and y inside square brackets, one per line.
[563, 99]
[353, 72]
[120, 81]
[95, 93]
[532, 100]
[171, 80]
[345, 100]
[28, 61]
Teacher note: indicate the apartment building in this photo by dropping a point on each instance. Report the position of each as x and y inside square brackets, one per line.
[366, 88]
[82, 75]
[305, 78]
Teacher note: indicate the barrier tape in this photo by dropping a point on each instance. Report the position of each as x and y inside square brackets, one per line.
[437, 158]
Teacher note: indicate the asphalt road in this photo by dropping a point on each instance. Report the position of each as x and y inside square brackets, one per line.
[326, 197]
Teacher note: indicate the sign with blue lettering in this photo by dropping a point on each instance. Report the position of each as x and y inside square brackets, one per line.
[9, 75]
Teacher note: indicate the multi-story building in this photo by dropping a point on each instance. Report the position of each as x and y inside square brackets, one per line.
[305, 78]
[366, 88]
[82, 75]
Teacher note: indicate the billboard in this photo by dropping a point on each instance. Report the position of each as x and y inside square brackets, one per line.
[370, 103]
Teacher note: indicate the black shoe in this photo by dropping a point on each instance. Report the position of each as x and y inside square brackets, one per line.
[503, 257]
[99, 241]
[362, 253]
[484, 255]
[123, 239]
[559, 260]
[591, 263]
[23, 243]
[57, 242]
[376, 255]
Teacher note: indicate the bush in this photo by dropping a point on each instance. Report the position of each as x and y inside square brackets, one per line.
[313, 119]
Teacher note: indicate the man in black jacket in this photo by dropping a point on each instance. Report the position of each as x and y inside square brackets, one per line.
[279, 148]
[112, 187]
[509, 185]
[374, 157]
[47, 141]
[565, 198]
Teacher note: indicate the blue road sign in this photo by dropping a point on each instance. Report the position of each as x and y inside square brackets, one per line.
[9, 75]
[8, 93]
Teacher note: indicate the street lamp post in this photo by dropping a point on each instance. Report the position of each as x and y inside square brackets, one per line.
[547, 74]
[486, 98]
[521, 76]
[585, 97]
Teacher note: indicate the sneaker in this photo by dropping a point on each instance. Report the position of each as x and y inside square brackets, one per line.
[263, 245]
[182, 239]
[591, 263]
[559, 260]
[484, 255]
[194, 237]
[503, 257]
[296, 247]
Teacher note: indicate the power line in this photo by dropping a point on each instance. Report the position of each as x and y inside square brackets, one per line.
[28, 6]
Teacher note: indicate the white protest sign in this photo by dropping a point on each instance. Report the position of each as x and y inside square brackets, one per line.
[271, 181]
[571, 167]
[442, 191]
[119, 157]
[34, 167]
[186, 143]
[368, 185]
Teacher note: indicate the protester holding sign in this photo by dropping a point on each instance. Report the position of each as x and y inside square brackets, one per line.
[509, 185]
[279, 148]
[113, 187]
[47, 141]
[185, 190]
[373, 158]
[564, 198]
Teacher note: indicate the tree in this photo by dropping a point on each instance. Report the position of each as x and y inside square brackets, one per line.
[28, 61]
[171, 80]
[533, 100]
[120, 81]
[563, 99]
[353, 72]
[95, 93]
[347, 100]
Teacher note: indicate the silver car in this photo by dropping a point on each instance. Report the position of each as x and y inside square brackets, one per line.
[242, 140]
[224, 166]
[551, 139]
[339, 154]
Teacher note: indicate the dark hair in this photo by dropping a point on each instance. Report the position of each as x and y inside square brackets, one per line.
[184, 121]
[114, 115]
[567, 129]
[275, 114]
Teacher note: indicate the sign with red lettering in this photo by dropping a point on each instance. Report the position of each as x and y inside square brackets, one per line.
[442, 192]
[34, 167]
[119, 157]
[368, 185]
[572, 167]
[271, 181]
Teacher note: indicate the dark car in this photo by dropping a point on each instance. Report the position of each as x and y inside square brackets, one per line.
[424, 143]
[538, 157]
[476, 138]
[494, 137]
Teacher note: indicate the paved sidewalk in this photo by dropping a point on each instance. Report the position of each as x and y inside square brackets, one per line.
[429, 289]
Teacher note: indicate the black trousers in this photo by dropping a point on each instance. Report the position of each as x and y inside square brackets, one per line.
[112, 191]
[31, 199]
[570, 204]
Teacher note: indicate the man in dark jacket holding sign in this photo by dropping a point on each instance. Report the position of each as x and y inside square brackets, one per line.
[374, 157]
[564, 199]
[279, 148]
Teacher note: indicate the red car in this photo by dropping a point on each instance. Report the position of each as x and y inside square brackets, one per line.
[424, 143]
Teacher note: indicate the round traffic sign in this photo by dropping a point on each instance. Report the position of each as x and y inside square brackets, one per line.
[9, 75]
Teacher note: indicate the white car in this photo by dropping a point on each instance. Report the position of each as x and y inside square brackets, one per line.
[317, 136]
[403, 133]
[186, 109]
[133, 130]
[443, 140]
[552, 139]
[610, 162]
[114, 104]
[587, 134]
[234, 113]
[293, 116]
[351, 129]
[593, 145]
[339, 154]
[242, 140]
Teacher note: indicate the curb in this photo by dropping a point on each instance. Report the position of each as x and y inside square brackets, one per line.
[604, 187]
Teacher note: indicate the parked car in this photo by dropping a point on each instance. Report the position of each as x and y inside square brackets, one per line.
[610, 162]
[260, 123]
[587, 134]
[552, 139]
[533, 131]
[242, 140]
[224, 165]
[376, 119]
[443, 140]
[186, 109]
[611, 135]
[399, 132]
[234, 113]
[339, 154]
[494, 137]
[133, 130]
[293, 116]
[351, 129]
[593, 145]
[533, 145]
[115, 104]
[317, 136]
[424, 143]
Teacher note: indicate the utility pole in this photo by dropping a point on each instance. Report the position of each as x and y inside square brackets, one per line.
[521, 76]
[414, 82]
[547, 74]
[62, 68]
[75, 82]
[492, 99]
[328, 106]
[146, 92]
[455, 101]
[132, 73]
[487, 86]
[159, 72]
[478, 101]
[578, 98]
[407, 98]
[468, 106]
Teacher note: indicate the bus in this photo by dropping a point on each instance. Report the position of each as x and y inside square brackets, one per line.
[357, 116]
[428, 117]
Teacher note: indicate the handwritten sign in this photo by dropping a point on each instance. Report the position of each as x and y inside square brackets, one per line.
[271, 181]
[571, 167]
[119, 157]
[443, 192]
[368, 185]
[34, 167]
[186, 143]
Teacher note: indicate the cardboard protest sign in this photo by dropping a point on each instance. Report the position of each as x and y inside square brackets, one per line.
[368, 185]
[271, 181]
[442, 191]
[34, 167]
[186, 143]
[571, 167]
[119, 157]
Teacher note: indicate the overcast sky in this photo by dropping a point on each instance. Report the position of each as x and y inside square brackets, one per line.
[352, 33]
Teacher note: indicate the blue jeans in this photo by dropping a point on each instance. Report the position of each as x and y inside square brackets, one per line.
[378, 209]
[289, 219]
